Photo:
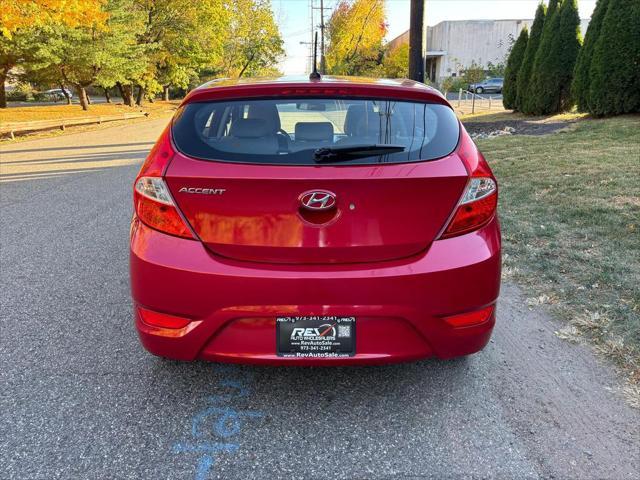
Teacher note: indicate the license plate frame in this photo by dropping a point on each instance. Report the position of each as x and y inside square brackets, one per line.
[322, 336]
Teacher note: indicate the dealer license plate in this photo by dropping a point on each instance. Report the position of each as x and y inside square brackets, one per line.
[313, 337]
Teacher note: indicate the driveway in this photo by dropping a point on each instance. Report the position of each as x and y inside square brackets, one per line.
[81, 399]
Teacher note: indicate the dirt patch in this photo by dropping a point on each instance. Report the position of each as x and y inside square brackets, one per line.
[512, 127]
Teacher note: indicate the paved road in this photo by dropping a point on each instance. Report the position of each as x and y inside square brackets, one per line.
[80, 399]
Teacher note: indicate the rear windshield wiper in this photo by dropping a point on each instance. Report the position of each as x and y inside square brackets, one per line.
[349, 152]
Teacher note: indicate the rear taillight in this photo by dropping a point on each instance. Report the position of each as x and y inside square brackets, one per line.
[480, 198]
[469, 319]
[153, 203]
[162, 320]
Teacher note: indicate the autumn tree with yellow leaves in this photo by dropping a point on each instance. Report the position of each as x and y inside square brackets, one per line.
[140, 47]
[356, 32]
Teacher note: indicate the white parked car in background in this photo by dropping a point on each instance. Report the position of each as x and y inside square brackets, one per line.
[58, 93]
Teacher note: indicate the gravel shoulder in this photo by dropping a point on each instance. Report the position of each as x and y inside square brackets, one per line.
[516, 127]
[81, 399]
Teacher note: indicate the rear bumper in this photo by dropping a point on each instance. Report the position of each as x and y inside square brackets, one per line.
[398, 305]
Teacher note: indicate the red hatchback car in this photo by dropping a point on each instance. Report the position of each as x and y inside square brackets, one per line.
[315, 222]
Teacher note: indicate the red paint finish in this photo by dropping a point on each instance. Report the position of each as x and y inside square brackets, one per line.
[352, 87]
[398, 210]
[378, 254]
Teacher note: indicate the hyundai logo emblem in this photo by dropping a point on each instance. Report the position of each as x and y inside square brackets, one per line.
[318, 200]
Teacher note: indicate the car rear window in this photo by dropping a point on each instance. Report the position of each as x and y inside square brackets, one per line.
[289, 131]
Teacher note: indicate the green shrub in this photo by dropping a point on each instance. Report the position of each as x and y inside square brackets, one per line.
[510, 87]
[453, 84]
[615, 66]
[16, 96]
[474, 73]
[22, 92]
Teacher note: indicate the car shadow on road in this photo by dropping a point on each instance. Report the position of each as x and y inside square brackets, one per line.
[313, 384]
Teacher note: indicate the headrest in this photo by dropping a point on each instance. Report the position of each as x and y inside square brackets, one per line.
[249, 128]
[368, 126]
[266, 112]
[354, 113]
[314, 131]
[361, 121]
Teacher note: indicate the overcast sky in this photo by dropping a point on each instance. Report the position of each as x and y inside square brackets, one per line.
[295, 22]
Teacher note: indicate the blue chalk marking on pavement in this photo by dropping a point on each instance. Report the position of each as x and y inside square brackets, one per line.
[207, 447]
[204, 466]
[226, 422]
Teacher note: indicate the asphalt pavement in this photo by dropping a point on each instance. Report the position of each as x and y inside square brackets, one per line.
[81, 399]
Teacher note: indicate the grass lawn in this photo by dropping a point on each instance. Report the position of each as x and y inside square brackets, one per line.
[570, 211]
[156, 109]
[53, 112]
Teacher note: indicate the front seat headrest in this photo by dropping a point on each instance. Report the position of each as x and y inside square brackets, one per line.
[314, 132]
[249, 128]
[266, 112]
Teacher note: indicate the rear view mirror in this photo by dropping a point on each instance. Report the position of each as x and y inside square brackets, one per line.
[311, 106]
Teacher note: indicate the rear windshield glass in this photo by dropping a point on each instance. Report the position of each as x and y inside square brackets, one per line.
[291, 131]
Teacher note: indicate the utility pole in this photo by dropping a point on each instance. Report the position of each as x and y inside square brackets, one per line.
[322, 8]
[417, 41]
[313, 29]
[323, 65]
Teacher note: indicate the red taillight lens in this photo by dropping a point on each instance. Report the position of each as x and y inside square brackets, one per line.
[470, 318]
[152, 200]
[477, 207]
[162, 320]
[155, 207]
[480, 199]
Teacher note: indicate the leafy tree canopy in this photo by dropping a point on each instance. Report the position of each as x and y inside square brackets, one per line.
[17, 14]
[356, 32]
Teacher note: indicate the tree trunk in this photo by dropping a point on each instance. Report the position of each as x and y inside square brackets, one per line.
[88, 97]
[246, 65]
[107, 97]
[122, 94]
[129, 90]
[125, 93]
[165, 93]
[3, 92]
[82, 95]
[140, 95]
[66, 95]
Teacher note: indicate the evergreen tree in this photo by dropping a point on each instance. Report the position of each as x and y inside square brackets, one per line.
[536, 93]
[581, 76]
[555, 61]
[615, 66]
[566, 50]
[524, 74]
[510, 87]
